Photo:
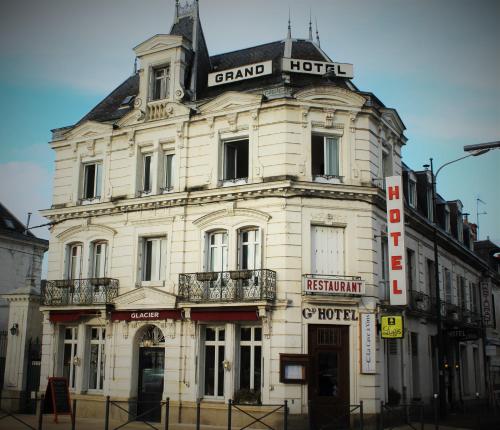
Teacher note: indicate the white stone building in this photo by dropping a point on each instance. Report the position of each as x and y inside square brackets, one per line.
[191, 207]
[21, 255]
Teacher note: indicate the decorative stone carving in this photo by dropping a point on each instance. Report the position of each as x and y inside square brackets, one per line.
[232, 120]
[330, 114]
[125, 329]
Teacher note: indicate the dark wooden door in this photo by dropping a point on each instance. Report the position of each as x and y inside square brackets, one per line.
[328, 381]
[150, 389]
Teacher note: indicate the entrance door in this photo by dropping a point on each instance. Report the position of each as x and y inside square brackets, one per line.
[329, 378]
[150, 389]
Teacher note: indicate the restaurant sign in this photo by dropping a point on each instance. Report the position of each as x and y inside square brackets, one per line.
[146, 315]
[327, 313]
[333, 286]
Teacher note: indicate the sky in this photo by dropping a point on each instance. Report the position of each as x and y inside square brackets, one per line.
[437, 62]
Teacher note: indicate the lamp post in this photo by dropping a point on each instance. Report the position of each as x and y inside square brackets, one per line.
[474, 151]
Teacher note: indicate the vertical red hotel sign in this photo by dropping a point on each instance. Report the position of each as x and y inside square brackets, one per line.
[396, 239]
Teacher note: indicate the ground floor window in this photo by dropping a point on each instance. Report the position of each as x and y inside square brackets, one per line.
[250, 358]
[97, 358]
[70, 358]
[214, 351]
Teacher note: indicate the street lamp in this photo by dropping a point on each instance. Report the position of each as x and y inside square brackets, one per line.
[474, 151]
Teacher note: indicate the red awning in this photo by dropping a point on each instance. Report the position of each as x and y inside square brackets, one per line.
[245, 314]
[67, 316]
[145, 315]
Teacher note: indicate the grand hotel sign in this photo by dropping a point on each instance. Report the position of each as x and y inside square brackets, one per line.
[330, 286]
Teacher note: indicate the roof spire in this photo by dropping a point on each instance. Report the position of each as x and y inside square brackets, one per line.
[317, 33]
[135, 66]
[289, 35]
[176, 10]
[310, 27]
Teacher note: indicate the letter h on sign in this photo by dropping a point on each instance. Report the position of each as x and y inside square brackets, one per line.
[396, 233]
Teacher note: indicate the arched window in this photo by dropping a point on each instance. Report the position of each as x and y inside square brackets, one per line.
[249, 248]
[74, 261]
[99, 259]
[217, 251]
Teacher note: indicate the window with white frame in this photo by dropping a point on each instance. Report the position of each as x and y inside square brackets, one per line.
[70, 357]
[74, 261]
[410, 272]
[147, 177]
[153, 261]
[447, 224]
[168, 172]
[213, 366]
[447, 286]
[412, 193]
[217, 251]
[250, 375]
[386, 165]
[96, 358]
[249, 249]
[99, 259]
[92, 181]
[325, 156]
[327, 248]
[160, 82]
[460, 227]
[235, 160]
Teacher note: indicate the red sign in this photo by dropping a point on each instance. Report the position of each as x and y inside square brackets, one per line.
[396, 237]
[146, 315]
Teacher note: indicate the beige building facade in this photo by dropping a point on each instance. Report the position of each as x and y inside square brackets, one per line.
[188, 219]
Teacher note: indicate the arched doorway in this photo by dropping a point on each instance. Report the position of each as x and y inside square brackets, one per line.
[151, 373]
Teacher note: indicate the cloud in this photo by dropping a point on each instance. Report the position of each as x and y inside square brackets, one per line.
[25, 187]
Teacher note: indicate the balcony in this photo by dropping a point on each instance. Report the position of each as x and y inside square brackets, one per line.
[91, 291]
[228, 287]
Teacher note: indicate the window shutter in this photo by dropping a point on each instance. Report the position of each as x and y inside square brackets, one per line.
[98, 180]
[163, 258]
[140, 258]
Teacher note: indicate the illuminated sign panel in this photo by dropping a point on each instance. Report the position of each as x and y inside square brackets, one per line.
[368, 343]
[340, 70]
[396, 239]
[392, 327]
[242, 73]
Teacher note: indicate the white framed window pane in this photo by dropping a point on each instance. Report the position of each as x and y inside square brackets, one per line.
[331, 156]
[147, 173]
[100, 259]
[169, 165]
[98, 180]
[75, 262]
[218, 252]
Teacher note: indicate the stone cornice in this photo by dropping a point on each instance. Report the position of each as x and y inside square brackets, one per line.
[278, 189]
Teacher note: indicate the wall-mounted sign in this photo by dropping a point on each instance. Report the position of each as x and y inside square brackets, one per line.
[146, 315]
[396, 238]
[249, 71]
[331, 286]
[341, 70]
[486, 304]
[293, 368]
[325, 313]
[368, 343]
[463, 335]
[392, 326]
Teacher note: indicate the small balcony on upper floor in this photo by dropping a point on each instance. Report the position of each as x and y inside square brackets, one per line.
[236, 286]
[79, 292]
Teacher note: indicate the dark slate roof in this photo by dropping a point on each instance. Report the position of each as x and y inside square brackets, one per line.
[183, 27]
[12, 227]
[306, 50]
[255, 54]
[110, 108]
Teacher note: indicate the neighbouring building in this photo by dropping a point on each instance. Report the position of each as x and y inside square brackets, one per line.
[21, 255]
[219, 232]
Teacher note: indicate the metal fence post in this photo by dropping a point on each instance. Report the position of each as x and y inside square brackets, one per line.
[229, 407]
[106, 422]
[436, 411]
[422, 416]
[478, 411]
[73, 415]
[167, 412]
[40, 412]
[198, 414]
[361, 419]
[381, 420]
[285, 418]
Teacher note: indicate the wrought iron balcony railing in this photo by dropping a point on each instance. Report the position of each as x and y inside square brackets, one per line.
[421, 303]
[233, 286]
[90, 291]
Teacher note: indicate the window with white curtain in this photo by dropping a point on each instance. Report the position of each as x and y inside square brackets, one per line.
[217, 251]
[74, 261]
[325, 156]
[153, 258]
[99, 259]
[249, 249]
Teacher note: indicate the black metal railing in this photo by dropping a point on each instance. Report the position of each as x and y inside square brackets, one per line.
[421, 303]
[233, 286]
[90, 291]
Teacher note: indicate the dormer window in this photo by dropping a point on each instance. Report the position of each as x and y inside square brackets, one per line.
[460, 227]
[412, 193]
[447, 224]
[160, 83]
